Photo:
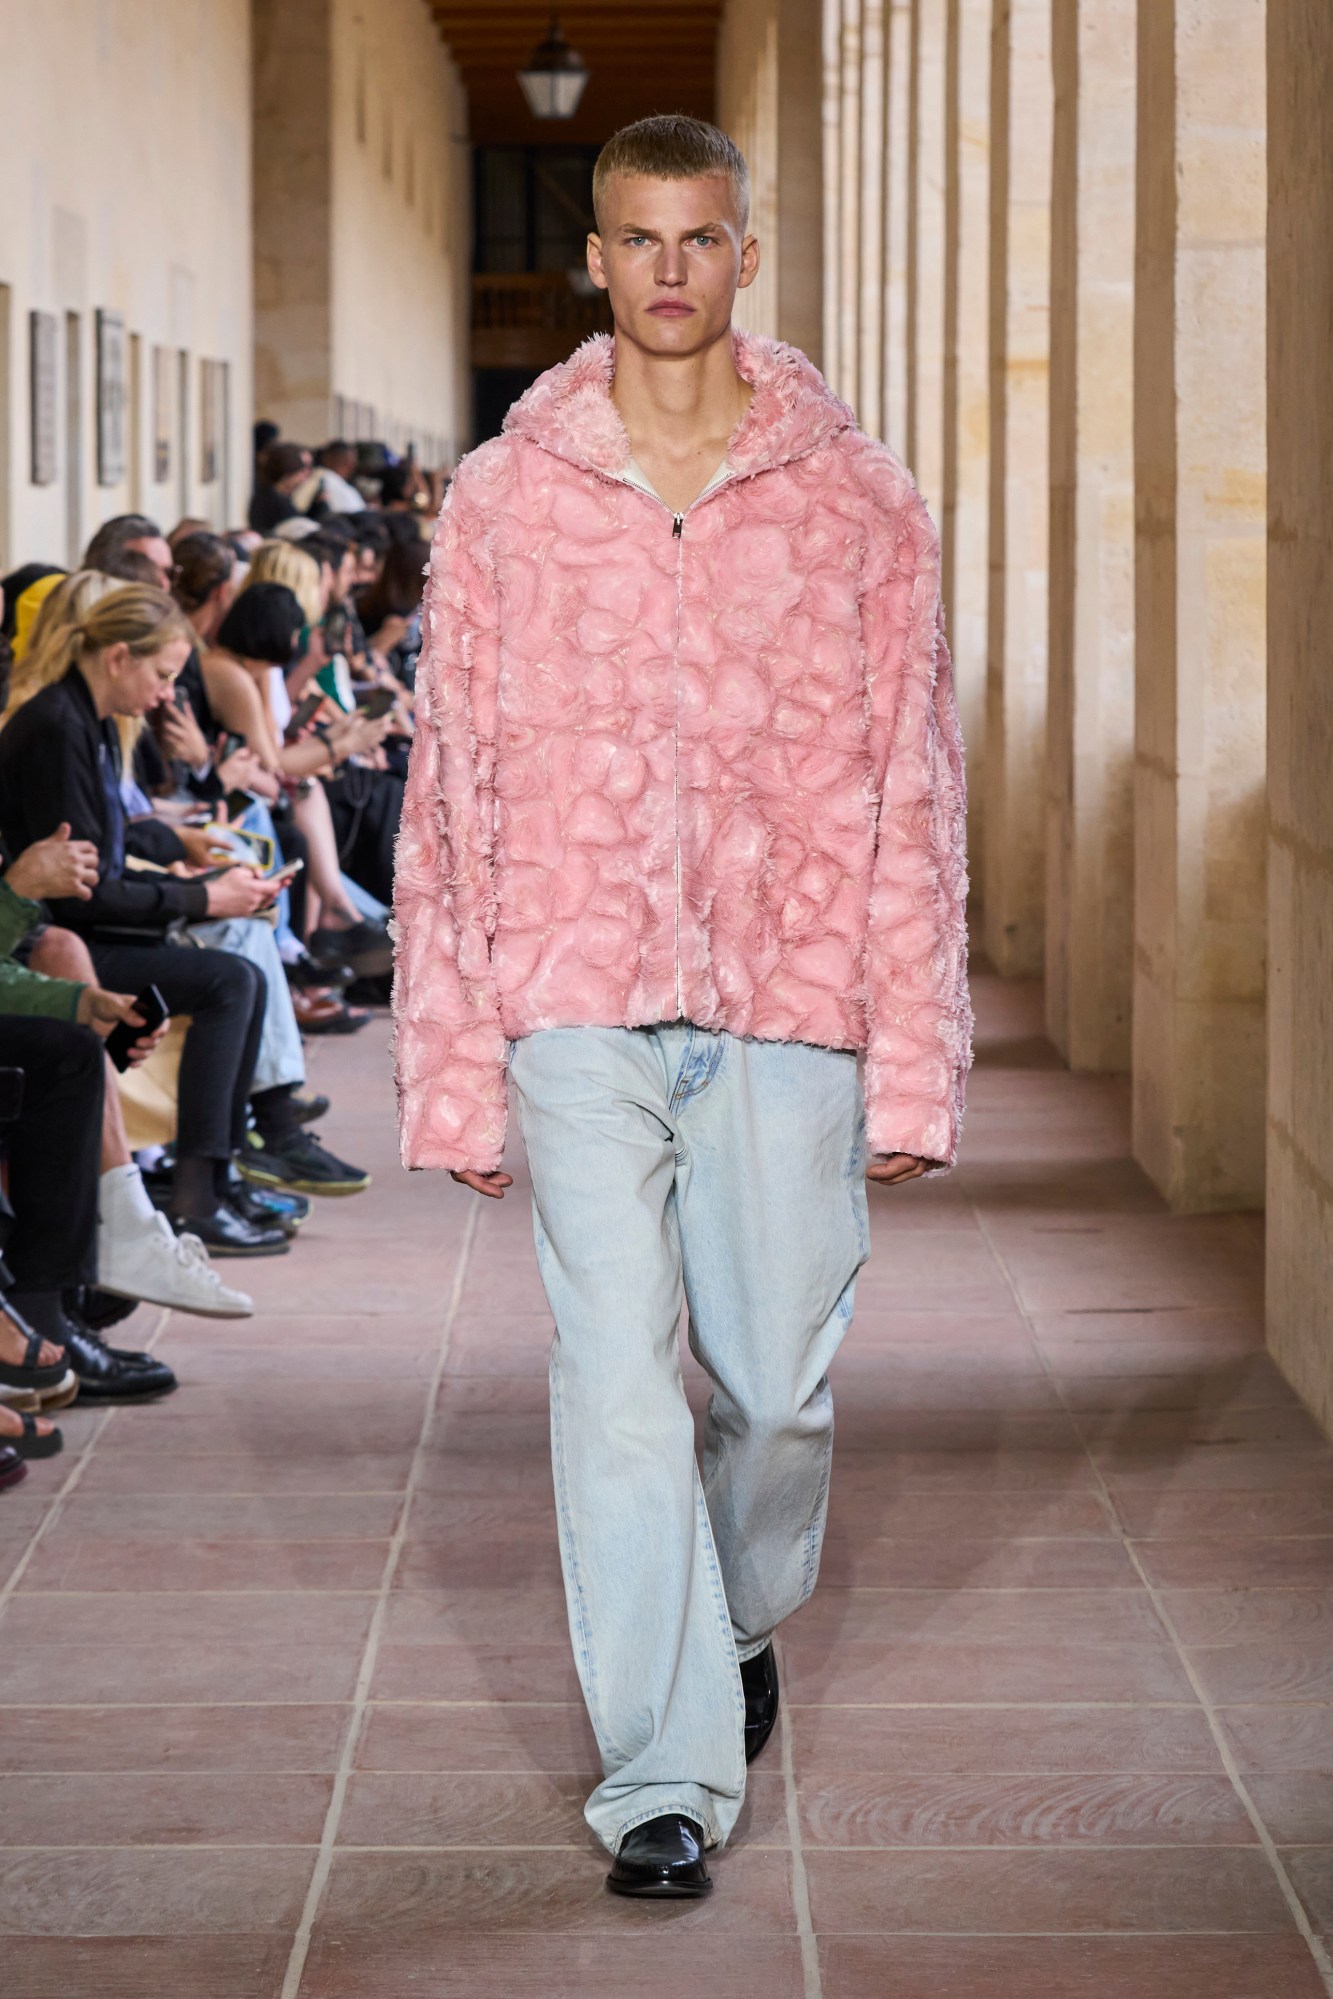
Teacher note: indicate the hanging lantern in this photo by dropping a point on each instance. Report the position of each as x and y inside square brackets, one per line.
[554, 79]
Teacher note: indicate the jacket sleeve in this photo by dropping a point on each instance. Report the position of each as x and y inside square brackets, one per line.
[448, 1043]
[63, 783]
[920, 1020]
[21, 990]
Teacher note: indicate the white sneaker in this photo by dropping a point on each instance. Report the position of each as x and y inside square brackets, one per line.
[148, 1261]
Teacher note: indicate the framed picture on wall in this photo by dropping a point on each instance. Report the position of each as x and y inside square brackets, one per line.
[210, 416]
[162, 401]
[42, 396]
[111, 403]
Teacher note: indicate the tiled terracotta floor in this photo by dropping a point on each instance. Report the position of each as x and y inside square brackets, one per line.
[290, 1708]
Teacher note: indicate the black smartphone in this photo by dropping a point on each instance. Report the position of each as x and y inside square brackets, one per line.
[152, 1010]
[229, 745]
[335, 629]
[302, 714]
[378, 702]
[238, 802]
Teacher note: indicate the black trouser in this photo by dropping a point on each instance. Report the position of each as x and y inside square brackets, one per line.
[367, 806]
[224, 997]
[55, 1152]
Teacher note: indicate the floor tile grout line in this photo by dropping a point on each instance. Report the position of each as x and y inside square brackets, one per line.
[70, 1484]
[800, 1886]
[1286, 1887]
[300, 1950]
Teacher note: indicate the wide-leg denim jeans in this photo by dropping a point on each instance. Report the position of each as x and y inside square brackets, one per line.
[673, 1166]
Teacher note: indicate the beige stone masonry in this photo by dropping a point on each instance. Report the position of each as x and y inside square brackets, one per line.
[1198, 1040]
[926, 246]
[1300, 697]
[1014, 860]
[966, 383]
[769, 90]
[896, 201]
[1090, 721]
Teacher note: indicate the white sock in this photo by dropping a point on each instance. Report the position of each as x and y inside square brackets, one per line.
[124, 1195]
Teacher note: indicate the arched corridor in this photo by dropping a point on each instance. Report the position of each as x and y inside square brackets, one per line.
[291, 1708]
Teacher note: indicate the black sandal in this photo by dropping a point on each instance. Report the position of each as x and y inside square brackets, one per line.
[30, 1445]
[26, 1374]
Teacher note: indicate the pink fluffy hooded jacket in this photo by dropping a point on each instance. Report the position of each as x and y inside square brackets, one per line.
[701, 766]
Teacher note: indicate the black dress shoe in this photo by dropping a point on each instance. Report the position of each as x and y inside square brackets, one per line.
[107, 1376]
[228, 1233]
[363, 946]
[662, 1858]
[759, 1678]
[305, 975]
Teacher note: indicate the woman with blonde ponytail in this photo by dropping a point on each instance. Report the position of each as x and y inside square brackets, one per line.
[60, 764]
[50, 647]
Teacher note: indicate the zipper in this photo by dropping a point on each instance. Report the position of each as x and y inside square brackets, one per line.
[678, 536]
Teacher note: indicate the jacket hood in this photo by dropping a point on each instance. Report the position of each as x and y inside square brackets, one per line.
[569, 411]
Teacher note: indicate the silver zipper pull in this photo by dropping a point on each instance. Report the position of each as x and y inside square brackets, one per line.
[679, 528]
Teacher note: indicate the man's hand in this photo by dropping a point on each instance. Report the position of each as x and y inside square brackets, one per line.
[102, 1011]
[55, 868]
[491, 1184]
[240, 892]
[902, 1166]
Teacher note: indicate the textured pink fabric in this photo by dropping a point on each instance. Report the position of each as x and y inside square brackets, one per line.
[714, 775]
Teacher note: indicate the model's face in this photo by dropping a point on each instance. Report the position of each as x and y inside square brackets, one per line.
[672, 255]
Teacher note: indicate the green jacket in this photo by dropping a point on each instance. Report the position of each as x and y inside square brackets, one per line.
[22, 991]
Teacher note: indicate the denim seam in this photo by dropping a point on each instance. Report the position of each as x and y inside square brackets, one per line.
[720, 1605]
[576, 1592]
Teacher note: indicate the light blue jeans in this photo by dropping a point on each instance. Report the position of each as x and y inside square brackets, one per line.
[280, 1058]
[671, 1165]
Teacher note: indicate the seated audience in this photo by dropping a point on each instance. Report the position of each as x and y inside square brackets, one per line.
[60, 760]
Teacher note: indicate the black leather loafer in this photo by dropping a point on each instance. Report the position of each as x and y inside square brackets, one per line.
[663, 1858]
[106, 1374]
[759, 1678]
[227, 1233]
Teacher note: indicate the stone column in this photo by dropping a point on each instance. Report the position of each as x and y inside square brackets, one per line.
[1020, 275]
[871, 298]
[966, 474]
[800, 272]
[849, 204]
[831, 125]
[925, 251]
[293, 211]
[1200, 461]
[897, 178]
[1300, 696]
[1090, 723]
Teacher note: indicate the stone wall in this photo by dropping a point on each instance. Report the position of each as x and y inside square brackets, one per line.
[1300, 697]
[125, 166]
[362, 225]
[768, 97]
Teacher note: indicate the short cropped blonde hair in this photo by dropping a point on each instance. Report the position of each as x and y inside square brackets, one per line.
[672, 147]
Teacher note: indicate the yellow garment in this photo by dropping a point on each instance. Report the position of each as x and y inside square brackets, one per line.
[27, 607]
